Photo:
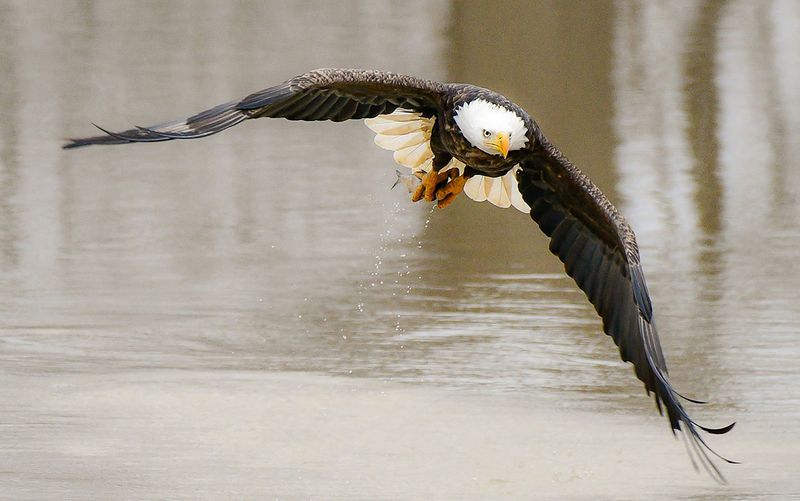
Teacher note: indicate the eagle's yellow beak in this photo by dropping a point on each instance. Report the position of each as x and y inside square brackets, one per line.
[501, 143]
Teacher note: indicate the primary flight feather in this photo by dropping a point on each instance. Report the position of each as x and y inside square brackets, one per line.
[459, 137]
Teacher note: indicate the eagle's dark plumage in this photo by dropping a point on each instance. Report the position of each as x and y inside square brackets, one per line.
[335, 95]
[587, 233]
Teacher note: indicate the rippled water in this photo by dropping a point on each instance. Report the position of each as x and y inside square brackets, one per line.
[197, 319]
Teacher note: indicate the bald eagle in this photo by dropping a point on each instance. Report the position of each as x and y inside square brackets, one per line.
[459, 137]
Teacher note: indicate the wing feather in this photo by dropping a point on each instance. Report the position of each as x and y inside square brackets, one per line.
[312, 106]
[396, 141]
[599, 252]
[325, 94]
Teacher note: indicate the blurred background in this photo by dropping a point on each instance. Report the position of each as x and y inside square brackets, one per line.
[199, 319]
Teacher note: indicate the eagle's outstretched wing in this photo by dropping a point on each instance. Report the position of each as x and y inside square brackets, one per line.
[599, 252]
[325, 94]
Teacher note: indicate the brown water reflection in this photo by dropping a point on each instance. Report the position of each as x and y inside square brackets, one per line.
[141, 283]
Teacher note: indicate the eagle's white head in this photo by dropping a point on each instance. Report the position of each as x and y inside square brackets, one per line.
[491, 127]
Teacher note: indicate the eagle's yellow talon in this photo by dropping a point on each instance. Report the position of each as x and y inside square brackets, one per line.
[419, 192]
[447, 193]
[430, 181]
[447, 200]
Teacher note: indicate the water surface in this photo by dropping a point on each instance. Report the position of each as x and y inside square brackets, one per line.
[257, 315]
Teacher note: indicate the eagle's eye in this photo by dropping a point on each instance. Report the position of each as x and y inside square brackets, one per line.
[486, 133]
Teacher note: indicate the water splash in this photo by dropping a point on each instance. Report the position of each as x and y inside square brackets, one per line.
[399, 242]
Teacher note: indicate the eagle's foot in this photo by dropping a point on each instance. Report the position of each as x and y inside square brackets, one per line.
[430, 181]
[447, 193]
